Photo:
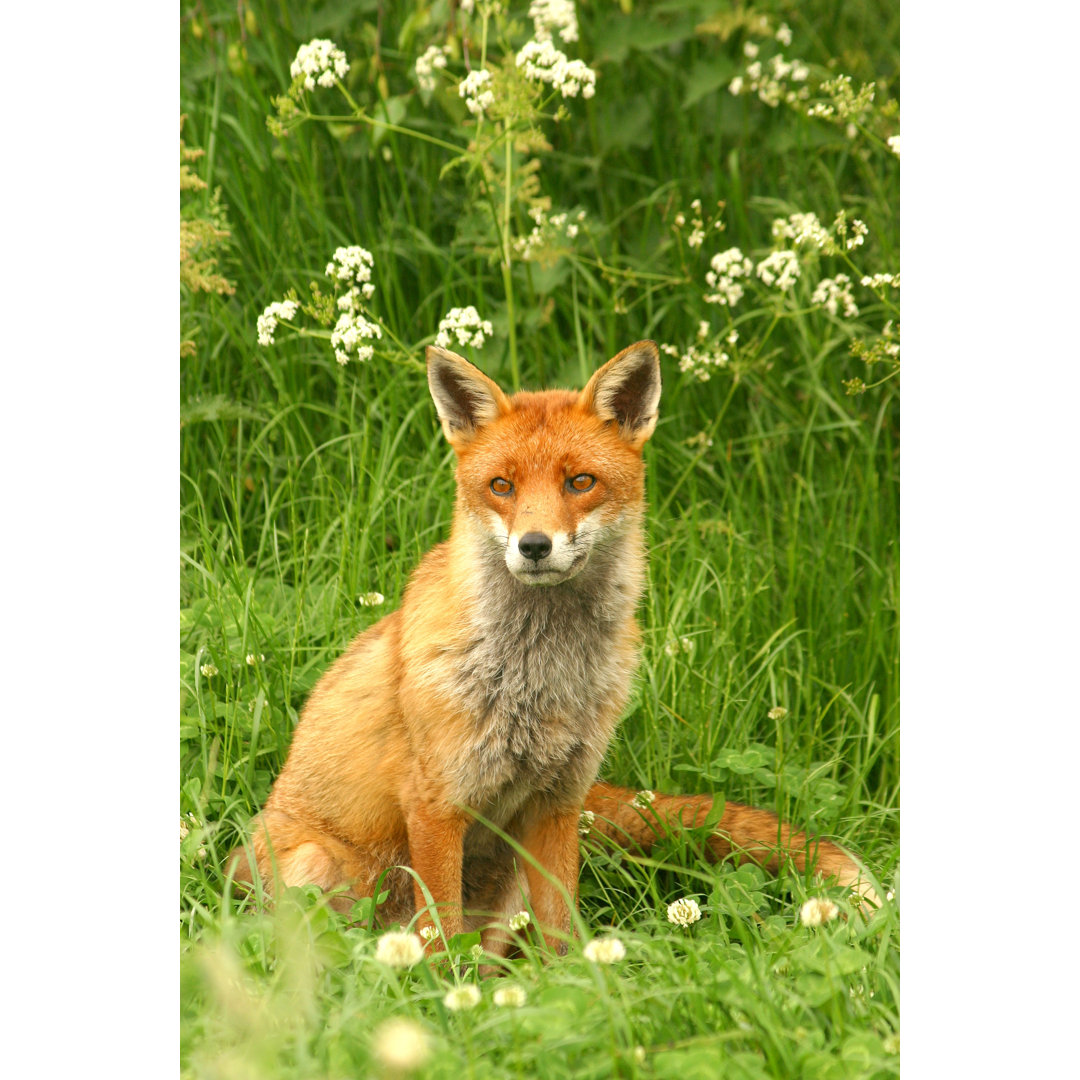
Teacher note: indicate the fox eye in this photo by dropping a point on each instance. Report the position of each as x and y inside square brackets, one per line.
[501, 486]
[582, 482]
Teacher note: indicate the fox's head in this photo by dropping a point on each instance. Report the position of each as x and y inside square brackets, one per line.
[550, 478]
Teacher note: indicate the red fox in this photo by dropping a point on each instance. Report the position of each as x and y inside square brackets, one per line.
[496, 687]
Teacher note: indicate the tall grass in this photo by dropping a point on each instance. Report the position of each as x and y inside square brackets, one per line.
[770, 668]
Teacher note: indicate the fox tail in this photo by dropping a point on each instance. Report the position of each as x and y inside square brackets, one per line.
[630, 820]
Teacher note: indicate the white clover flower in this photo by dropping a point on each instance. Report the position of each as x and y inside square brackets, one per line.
[519, 921]
[319, 61]
[893, 143]
[542, 62]
[268, 320]
[371, 599]
[727, 266]
[585, 822]
[253, 658]
[605, 950]
[434, 57]
[399, 949]
[780, 268]
[209, 669]
[349, 331]
[548, 15]
[428, 934]
[401, 1045]
[783, 34]
[509, 996]
[777, 712]
[683, 912]
[643, 799]
[466, 325]
[477, 952]
[832, 292]
[475, 88]
[462, 998]
[817, 911]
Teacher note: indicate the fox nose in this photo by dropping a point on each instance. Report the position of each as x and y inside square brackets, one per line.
[535, 546]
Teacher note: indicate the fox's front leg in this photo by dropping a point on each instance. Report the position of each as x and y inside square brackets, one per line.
[436, 834]
[552, 841]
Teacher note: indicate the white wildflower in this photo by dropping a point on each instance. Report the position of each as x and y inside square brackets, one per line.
[777, 712]
[878, 281]
[783, 34]
[674, 646]
[733, 337]
[209, 669]
[727, 266]
[351, 266]
[639, 1054]
[698, 362]
[683, 912]
[832, 292]
[519, 921]
[319, 61]
[349, 331]
[268, 320]
[750, 50]
[858, 234]
[696, 238]
[805, 230]
[462, 998]
[399, 949]
[401, 1045]
[585, 822]
[702, 330]
[253, 658]
[434, 57]
[509, 996]
[817, 911]
[643, 799]
[542, 62]
[371, 599]
[606, 950]
[466, 325]
[736, 85]
[183, 829]
[428, 934]
[475, 88]
[893, 143]
[549, 15]
[780, 268]
[680, 220]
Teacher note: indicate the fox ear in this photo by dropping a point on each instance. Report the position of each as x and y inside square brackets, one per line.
[627, 389]
[465, 398]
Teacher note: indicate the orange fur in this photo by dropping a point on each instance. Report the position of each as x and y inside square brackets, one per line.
[496, 687]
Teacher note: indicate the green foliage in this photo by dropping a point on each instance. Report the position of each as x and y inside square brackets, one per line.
[770, 625]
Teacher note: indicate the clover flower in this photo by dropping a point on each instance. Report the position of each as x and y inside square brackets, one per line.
[371, 599]
[683, 912]
[542, 62]
[253, 658]
[434, 57]
[401, 1045]
[512, 996]
[268, 320]
[399, 949]
[832, 292]
[780, 268]
[428, 934]
[643, 799]
[605, 950]
[475, 88]
[549, 15]
[817, 911]
[777, 712]
[462, 998]
[585, 822]
[727, 266]
[466, 325]
[319, 61]
[209, 669]
[519, 921]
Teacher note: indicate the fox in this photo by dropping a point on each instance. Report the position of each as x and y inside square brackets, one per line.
[491, 695]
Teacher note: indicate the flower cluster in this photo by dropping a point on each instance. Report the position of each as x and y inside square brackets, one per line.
[462, 998]
[549, 232]
[401, 1045]
[697, 361]
[804, 230]
[780, 268]
[399, 949]
[643, 799]
[466, 325]
[727, 267]
[268, 320]
[512, 996]
[542, 62]
[878, 281]
[475, 88]
[893, 143]
[772, 80]
[832, 292]
[777, 712]
[519, 921]
[844, 102]
[428, 934]
[350, 331]
[434, 57]
[606, 950]
[683, 912]
[371, 599]
[585, 822]
[698, 224]
[351, 267]
[549, 15]
[254, 658]
[817, 911]
[209, 669]
[319, 61]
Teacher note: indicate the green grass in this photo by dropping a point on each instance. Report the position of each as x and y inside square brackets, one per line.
[774, 550]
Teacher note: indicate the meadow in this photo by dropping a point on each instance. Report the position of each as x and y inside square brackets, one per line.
[719, 177]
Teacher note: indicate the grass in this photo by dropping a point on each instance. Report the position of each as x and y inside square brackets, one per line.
[306, 484]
